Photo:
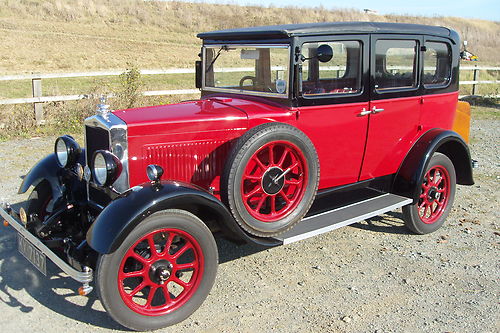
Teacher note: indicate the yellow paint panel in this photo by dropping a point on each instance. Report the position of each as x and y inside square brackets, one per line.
[461, 124]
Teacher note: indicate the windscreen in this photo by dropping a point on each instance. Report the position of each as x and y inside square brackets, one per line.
[247, 69]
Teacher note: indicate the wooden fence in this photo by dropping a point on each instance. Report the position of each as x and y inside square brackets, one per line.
[38, 99]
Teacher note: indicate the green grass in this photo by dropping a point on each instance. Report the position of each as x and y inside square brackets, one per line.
[85, 85]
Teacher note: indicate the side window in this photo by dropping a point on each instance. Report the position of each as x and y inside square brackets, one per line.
[395, 64]
[437, 64]
[340, 75]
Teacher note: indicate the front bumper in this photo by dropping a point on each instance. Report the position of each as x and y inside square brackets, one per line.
[84, 277]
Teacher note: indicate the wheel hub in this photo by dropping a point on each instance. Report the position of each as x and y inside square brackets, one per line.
[432, 194]
[160, 271]
[272, 183]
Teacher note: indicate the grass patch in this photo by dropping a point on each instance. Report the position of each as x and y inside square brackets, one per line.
[483, 112]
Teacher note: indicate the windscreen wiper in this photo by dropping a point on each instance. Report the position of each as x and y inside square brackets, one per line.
[223, 47]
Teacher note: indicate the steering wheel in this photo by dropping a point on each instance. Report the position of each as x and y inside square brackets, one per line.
[248, 77]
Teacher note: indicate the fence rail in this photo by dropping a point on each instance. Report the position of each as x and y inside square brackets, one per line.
[38, 99]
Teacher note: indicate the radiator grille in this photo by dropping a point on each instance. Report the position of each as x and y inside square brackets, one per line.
[193, 162]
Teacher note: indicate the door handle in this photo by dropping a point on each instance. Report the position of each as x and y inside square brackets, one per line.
[364, 112]
[375, 110]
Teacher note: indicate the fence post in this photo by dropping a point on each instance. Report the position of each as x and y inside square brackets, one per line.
[474, 78]
[36, 84]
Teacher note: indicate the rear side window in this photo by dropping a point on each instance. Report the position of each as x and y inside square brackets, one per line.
[437, 64]
[340, 75]
[395, 64]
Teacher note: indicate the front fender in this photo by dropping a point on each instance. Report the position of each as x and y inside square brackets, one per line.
[122, 215]
[45, 169]
[412, 171]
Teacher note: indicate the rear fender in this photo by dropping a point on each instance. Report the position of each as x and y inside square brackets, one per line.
[412, 170]
[123, 214]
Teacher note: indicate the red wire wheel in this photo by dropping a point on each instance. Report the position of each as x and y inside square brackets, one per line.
[274, 181]
[435, 193]
[271, 178]
[161, 273]
[435, 198]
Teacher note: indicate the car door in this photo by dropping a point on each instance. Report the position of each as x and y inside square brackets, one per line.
[334, 100]
[394, 103]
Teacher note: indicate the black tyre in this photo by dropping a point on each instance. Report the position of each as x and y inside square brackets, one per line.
[39, 200]
[161, 273]
[436, 197]
[270, 179]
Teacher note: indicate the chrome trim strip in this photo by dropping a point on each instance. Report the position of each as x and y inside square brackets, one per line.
[83, 277]
[118, 138]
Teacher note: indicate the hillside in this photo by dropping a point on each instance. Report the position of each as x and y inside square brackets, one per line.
[83, 35]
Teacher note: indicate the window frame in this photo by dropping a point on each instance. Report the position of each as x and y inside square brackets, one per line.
[431, 86]
[398, 91]
[286, 46]
[333, 98]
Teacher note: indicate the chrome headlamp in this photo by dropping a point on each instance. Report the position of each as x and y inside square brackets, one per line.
[67, 151]
[106, 168]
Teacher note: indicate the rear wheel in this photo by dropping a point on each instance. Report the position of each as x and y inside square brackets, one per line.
[437, 192]
[161, 273]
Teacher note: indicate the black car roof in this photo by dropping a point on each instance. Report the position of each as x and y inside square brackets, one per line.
[327, 28]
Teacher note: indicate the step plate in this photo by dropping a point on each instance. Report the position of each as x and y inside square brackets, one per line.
[340, 217]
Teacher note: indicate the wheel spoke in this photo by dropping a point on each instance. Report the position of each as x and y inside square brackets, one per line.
[294, 165]
[141, 286]
[182, 250]
[152, 247]
[273, 205]
[133, 274]
[186, 266]
[282, 159]
[261, 202]
[256, 190]
[283, 195]
[168, 244]
[292, 182]
[271, 154]
[252, 177]
[259, 163]
[166, 294]
[180, 282]
[428, 207]
[151, 295]
[422, 204]
[139, 258]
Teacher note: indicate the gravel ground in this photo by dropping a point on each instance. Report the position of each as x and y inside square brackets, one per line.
[370, 277]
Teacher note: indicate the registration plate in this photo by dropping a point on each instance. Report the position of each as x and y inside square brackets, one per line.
[34, 255]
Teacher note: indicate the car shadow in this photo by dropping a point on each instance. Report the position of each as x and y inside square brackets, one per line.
[57, 291]
[390, 222]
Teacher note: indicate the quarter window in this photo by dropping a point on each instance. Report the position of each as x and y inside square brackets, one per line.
[395, 64]
[437, 64]
[340, 75]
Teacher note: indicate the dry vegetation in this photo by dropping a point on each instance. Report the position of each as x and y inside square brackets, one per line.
[80, 35]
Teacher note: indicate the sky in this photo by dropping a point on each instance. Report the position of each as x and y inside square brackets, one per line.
[482, 9]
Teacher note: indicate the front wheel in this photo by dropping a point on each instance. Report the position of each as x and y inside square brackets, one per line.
[161, 273]
[437, 192]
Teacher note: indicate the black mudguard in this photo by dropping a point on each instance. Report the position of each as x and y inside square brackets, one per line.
[412, 171]
[46, 169]
[123, 214]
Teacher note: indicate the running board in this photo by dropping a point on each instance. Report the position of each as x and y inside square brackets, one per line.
[333, 219]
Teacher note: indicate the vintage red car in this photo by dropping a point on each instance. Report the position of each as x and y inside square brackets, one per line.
[300, 129]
